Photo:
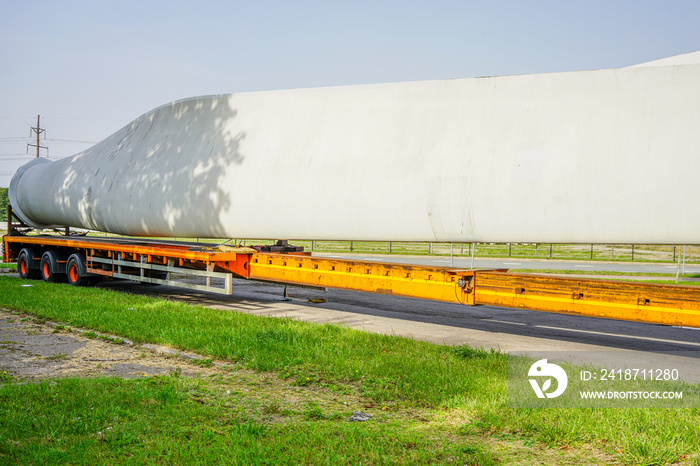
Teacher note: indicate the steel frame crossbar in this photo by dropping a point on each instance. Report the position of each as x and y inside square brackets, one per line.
[142, 266]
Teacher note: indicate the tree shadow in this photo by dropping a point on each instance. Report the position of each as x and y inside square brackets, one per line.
[159, 176]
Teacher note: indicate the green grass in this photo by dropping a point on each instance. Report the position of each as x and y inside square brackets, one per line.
[666, 282]
[609, 275]
[320, 352]
[601, 252]
[442, 403]
[170, 420]
[601, 272]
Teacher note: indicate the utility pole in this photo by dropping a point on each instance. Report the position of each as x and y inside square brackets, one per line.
[38, 130]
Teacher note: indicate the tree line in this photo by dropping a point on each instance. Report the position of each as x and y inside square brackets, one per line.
[4, 201]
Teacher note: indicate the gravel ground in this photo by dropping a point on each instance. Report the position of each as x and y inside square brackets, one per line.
[32, 350]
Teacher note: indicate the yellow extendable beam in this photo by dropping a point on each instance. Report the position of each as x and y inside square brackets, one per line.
[652, 303]
[393, 279]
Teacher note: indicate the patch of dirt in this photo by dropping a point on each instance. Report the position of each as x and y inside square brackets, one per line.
[31, 350]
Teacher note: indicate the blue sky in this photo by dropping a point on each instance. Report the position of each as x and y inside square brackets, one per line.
[90, 67]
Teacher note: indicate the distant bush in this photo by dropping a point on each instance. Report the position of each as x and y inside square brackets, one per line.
[4, 200]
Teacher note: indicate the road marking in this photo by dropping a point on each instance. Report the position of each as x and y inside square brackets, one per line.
[587, 266]
[512, 263]
[505, 322]
[618, 335]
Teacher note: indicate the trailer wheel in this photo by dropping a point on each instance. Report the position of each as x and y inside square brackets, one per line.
[76, 271]
[25, 264]
[50, 267]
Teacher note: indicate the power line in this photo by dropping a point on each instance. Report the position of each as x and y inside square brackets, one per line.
[60, 141]
[74, 141]
[119, 120]
[7, 157]
[38, 132]
[87, 119]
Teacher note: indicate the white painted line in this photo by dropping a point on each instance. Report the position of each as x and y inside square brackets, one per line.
[512, 263]
[588, 266]
[504, 322]
[662, 340]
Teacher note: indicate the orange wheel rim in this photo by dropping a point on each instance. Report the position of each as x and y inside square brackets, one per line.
[74, 273]
[47, 271]
[23, 266]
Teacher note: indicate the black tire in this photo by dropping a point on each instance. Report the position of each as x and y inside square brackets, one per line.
[76, 272]
[50, 267]
[26, 264]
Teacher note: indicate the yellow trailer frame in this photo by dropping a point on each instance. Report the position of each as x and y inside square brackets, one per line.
[653, 303]
[129, 257]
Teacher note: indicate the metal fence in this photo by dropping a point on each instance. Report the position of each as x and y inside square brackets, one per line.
[601, 252]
